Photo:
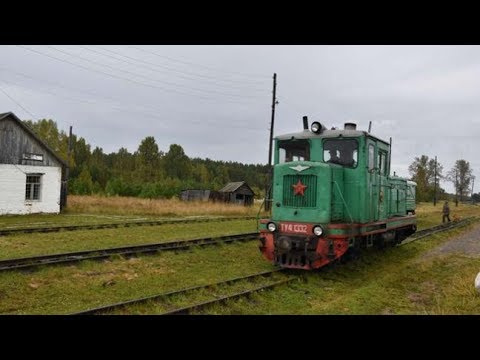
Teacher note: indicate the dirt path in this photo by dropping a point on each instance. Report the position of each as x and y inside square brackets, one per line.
[467, 243]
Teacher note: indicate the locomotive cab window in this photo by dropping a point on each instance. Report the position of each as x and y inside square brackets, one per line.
[293, 151]
[382, 158]
[341, 151]
[371, 157]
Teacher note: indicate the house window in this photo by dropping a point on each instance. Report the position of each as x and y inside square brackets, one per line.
[32, 189]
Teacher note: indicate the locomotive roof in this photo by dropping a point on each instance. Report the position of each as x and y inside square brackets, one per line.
[307, 134]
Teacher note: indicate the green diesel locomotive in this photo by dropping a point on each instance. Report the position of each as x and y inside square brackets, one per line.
[332, 193]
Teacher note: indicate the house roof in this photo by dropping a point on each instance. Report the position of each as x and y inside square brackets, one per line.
[33, 134]
[233, 186]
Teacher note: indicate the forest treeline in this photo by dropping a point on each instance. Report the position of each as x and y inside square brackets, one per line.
[148, 172]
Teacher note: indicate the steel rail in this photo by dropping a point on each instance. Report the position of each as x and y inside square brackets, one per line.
[116, 225]
[34, 261]
[186, 310]
[438, 228]
[123, 304]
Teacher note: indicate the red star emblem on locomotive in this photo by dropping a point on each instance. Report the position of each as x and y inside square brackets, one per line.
[299, 188]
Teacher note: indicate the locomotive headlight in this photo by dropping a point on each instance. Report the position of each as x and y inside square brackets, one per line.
[271, 227]
[316, 127]
[317, 230]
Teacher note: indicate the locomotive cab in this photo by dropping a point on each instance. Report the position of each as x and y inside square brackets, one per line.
[331, 192]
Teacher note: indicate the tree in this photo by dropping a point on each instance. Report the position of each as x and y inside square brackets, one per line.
[83, 184]
[200, 173]
[176, 164]
[123, 163]
[98, 167]
[461, 176]
[422, 170]
[149, 159]
[47, 130]
[80, 155]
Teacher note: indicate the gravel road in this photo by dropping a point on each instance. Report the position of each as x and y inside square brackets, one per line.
[467, 243]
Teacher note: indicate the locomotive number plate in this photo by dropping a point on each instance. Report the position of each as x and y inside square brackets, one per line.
[293, 228]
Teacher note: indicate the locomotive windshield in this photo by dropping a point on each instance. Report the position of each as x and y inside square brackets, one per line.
[293, 151]
[341, 151]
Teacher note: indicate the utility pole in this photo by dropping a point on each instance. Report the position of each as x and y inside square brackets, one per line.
[270, 171]
[456, 187]
[67, 170]
[473, 183]
[435, 185]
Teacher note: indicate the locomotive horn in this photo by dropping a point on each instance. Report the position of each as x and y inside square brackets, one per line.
[305, 123]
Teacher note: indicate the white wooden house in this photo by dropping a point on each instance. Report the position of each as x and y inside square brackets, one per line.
[31, 174]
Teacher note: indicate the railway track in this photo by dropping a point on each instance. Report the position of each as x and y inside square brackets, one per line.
[35, 261]
[438, 228]
[200, 304]
[98, 254]
[49, 229]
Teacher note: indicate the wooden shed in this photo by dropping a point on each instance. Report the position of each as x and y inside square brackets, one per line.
[31, 174]
[195, 195]
[238, 193]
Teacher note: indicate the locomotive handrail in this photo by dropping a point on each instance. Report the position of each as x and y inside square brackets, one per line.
[263, 203]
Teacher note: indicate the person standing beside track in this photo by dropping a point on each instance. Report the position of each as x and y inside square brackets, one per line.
[446, 212]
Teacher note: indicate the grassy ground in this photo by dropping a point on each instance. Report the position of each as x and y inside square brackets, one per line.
[400, 280]
[65, 289]
[65, 219]
[396, 281]
[22, 245]
[99, 210]
[429, 215]
[157, 207]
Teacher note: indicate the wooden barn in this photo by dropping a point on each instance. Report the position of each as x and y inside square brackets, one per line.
[31, 174]
[238, 193]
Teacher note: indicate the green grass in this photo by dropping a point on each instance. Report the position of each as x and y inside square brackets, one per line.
[429, 215]
[46, 220]
[23, 245]
[54, 220]
[396, 281]
[178, 301]
[400, 280]
[66, 289]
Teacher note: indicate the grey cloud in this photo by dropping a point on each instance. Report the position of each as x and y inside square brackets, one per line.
[424, 97]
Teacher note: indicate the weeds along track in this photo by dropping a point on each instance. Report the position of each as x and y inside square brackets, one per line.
[165, 303]
[218, 292]
[439, 228]
[116, 225]
[35, 261]
[98, 254]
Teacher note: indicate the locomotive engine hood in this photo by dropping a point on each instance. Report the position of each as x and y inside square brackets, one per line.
[302, 192]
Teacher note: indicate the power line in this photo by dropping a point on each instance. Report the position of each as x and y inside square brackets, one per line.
[142, 62]
[16, 102]
[95, 95]
[194, 64]
[120, 77]
[147, 78]
[154, 115]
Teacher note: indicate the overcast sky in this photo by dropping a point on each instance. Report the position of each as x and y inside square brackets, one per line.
[215, 101]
